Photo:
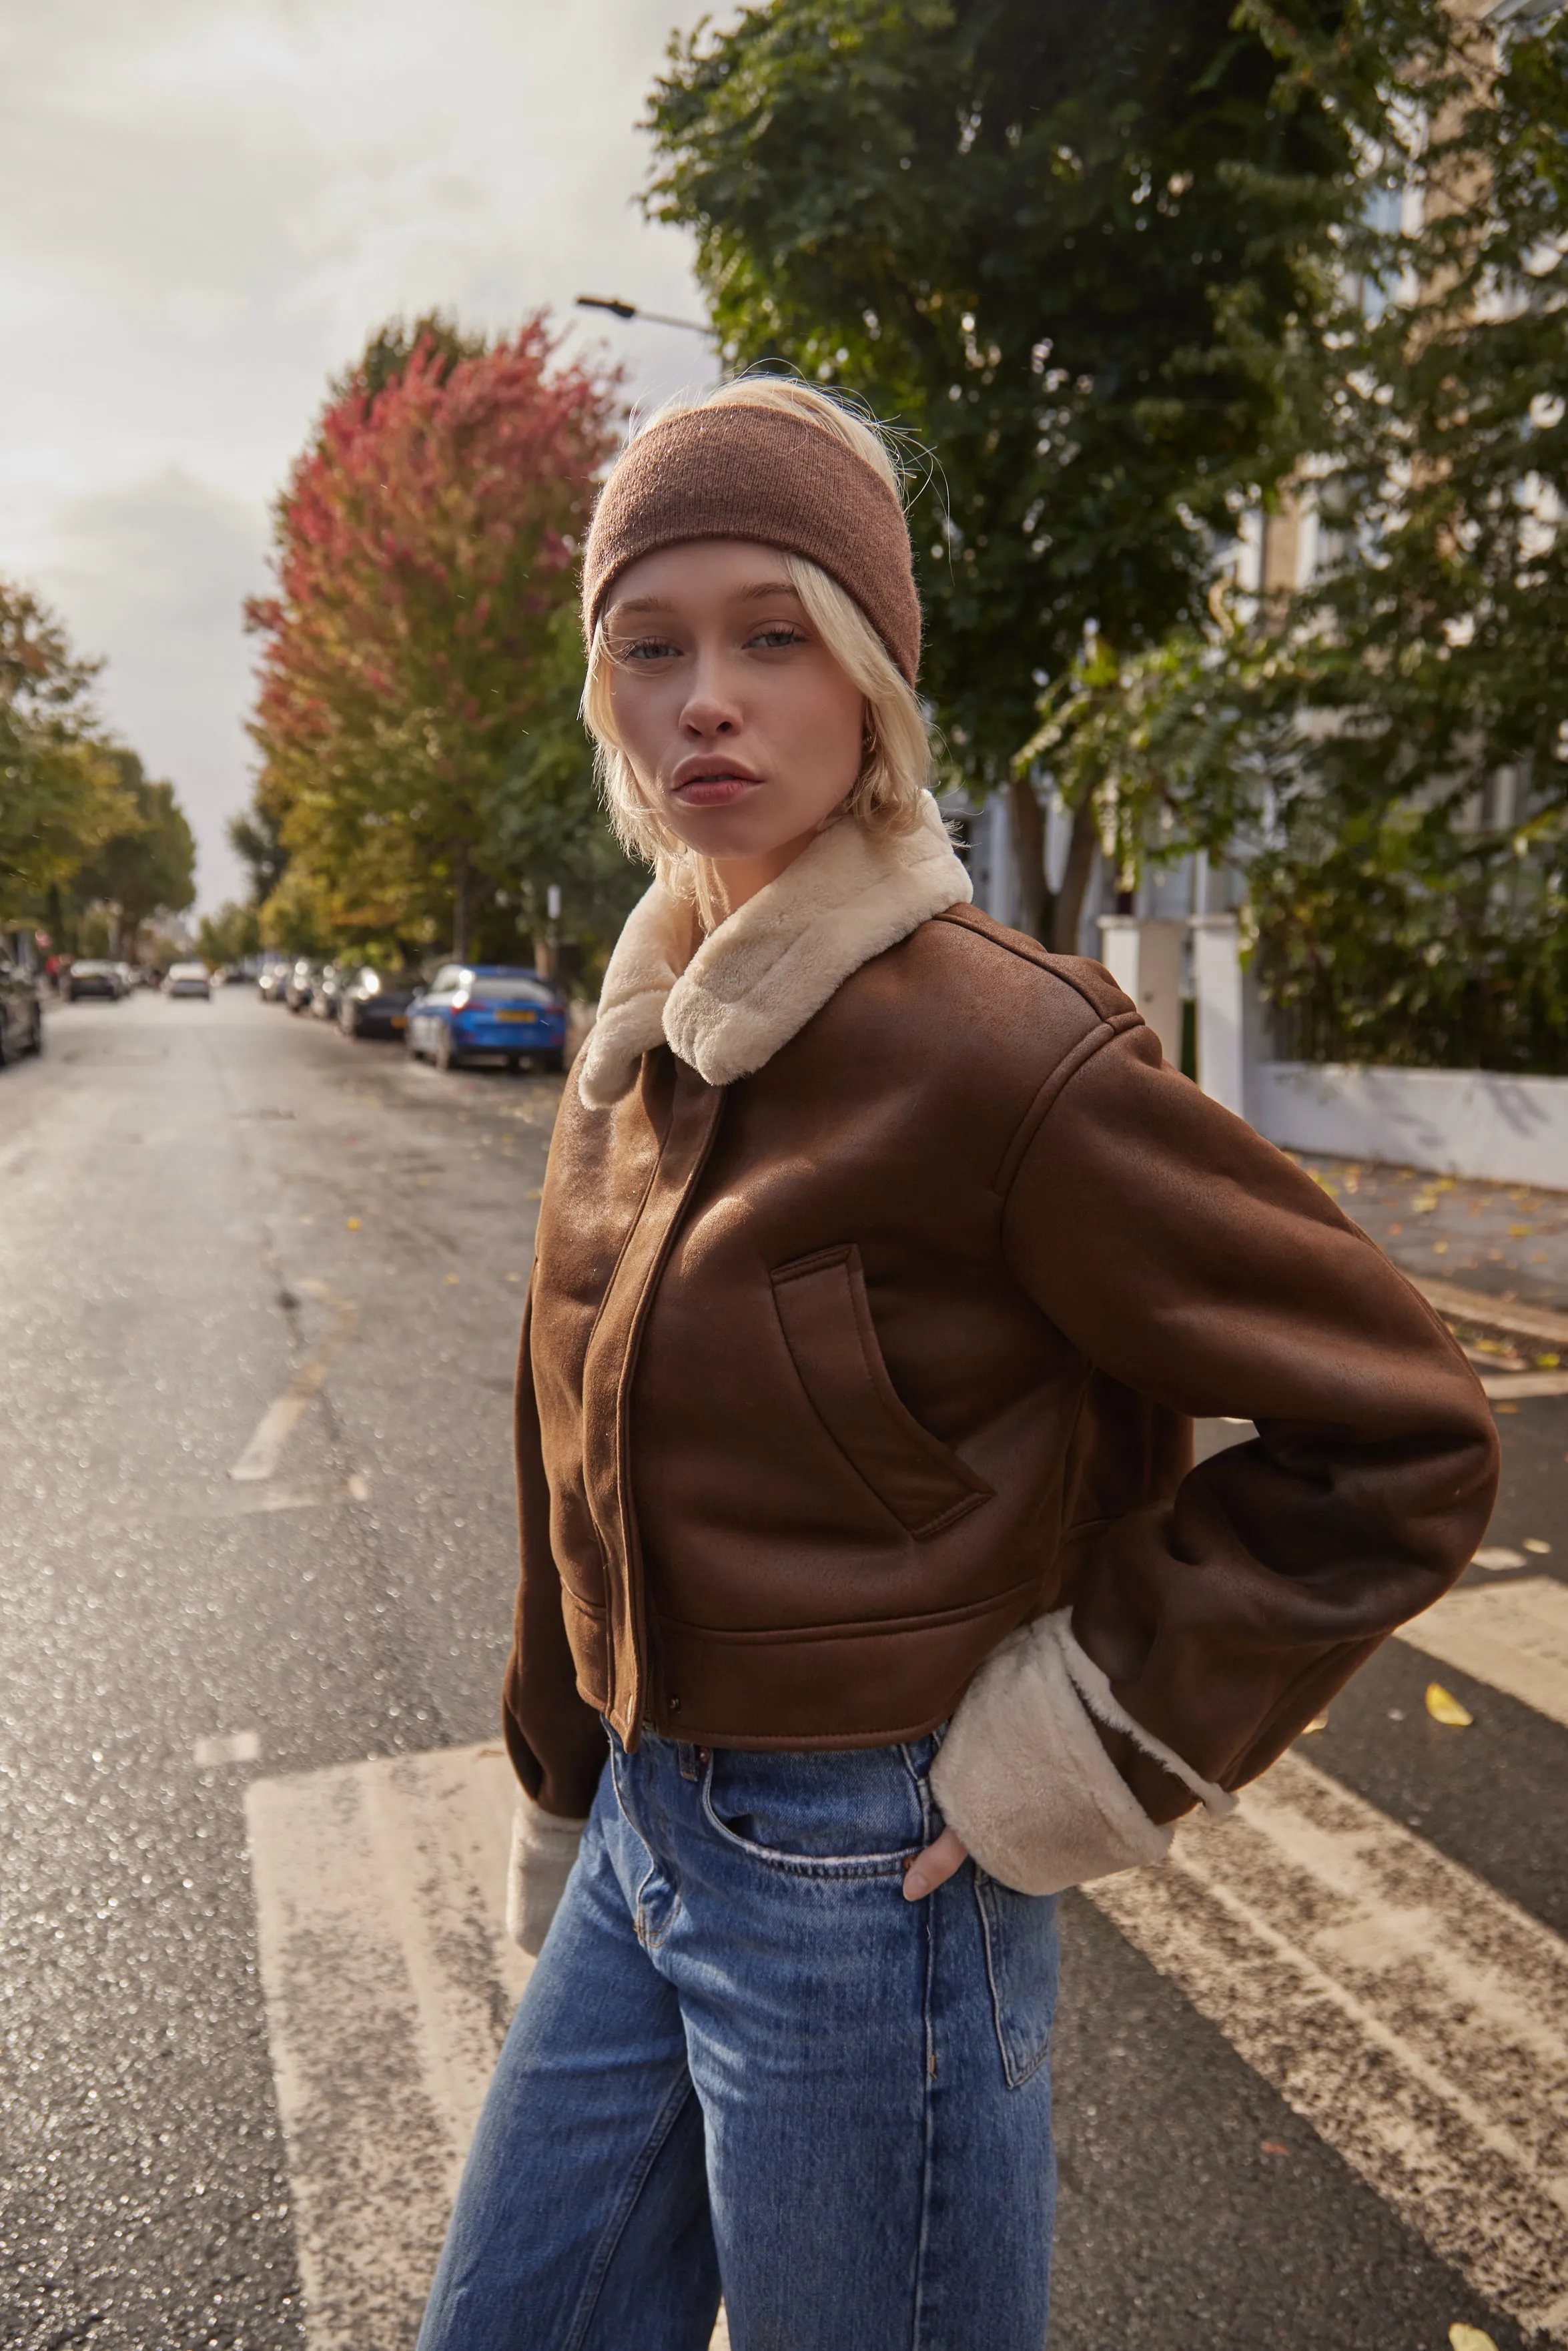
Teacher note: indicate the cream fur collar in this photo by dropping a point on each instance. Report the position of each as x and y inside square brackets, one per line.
[755, 981]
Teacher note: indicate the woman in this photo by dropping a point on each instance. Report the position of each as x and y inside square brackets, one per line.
[869, 1596]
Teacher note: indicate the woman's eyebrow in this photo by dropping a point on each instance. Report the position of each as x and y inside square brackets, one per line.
[639, 604]
[760, 590]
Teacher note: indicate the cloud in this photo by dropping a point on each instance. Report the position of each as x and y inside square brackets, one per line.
[210, 204]
[155, 574]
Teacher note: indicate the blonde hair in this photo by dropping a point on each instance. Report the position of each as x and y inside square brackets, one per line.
[896, 763]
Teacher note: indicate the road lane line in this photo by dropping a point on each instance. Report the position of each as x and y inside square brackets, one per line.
[229, 1747]
[389, 1983]
[277, 1423]
[1497, 1386]
[1417, 2019]
[1513, 1636]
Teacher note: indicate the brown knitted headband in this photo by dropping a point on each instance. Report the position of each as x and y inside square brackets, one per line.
[738, 471]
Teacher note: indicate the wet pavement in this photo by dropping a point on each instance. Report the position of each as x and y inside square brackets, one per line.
[228, 1240]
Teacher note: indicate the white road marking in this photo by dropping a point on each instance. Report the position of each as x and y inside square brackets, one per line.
[1417, 2019]
[277, 1423]
[389, 1984]
[1518, 1385]
[1513, 1636]
[234, 1747]
[1494, 1313]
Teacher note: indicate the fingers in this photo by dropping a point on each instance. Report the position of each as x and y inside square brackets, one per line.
[934, 1867]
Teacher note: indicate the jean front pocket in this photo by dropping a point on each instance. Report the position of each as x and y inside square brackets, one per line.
[1023, 1962]
[855, 1812]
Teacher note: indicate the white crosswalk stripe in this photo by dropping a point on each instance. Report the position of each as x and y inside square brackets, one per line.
[389, 1983]
[1414, 2017]
[1417, 2019]
[1514, 1637]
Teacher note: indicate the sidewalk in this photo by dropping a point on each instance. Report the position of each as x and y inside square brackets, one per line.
[1510, 1240]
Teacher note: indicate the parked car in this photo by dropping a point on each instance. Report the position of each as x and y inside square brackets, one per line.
[190, 979]
[93, 978]
[485, 1011]
[374, 1003]
[300, 985]
[324, 995]
[21, 1012]
[273, 978]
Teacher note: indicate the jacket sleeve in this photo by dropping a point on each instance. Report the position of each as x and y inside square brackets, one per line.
[1197, 1265]
[554, 1737]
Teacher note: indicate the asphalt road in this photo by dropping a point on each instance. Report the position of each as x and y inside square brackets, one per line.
[198, 1204]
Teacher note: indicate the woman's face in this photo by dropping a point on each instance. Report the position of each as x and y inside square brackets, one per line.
[743, 730]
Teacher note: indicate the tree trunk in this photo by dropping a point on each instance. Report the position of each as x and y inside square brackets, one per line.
[1068, 911]
[460, 903]
[1029, 855]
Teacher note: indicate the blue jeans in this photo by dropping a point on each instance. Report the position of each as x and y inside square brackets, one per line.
[743, 2057]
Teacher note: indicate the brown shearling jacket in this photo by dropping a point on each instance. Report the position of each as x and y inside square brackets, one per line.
[833, 1375]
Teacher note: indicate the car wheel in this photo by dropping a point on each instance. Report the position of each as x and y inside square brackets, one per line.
[446, 1059]
[35, 1044]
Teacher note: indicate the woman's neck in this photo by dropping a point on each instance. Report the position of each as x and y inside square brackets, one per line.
[726, 883]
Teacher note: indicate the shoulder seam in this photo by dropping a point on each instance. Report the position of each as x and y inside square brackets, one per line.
[1066, 1070]
[1042, 957]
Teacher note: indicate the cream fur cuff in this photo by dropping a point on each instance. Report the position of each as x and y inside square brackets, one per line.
[1023, 1777]
[543, 1850]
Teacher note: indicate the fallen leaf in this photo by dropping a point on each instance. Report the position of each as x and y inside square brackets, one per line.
[1439, 1248]
[451, 1280]
[1318, 1722]
[353, 1224]
[1469, 2338]
[1396, 1228]
[1520, 1232]
[1534, 1544]
[1278, 2147]
[1444, 1707]
[1498, 1556]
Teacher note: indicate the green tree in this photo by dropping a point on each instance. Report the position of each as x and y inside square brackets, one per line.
[1390, 743]
[1087, 254]
[228, 937]
[61, 792]
[147, 865]
[256, 838]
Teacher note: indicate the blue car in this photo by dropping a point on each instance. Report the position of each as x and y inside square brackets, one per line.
[487, 1011]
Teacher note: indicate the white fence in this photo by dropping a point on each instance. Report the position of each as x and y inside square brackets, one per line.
[1473, 1122]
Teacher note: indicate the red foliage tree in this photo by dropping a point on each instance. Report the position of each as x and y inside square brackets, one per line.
[425, 558]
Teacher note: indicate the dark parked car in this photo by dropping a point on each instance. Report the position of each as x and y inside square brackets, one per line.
[273, 976]
[485, 1011]
[300, 985]
[21, 1012]
[374, 1003]
[94, 979]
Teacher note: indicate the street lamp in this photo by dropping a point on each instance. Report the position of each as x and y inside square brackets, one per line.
[619, 309]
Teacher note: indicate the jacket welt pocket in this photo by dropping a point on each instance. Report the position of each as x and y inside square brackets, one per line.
[826, 1314]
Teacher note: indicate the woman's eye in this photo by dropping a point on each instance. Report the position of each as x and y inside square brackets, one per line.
[771, 639]
[647, 649]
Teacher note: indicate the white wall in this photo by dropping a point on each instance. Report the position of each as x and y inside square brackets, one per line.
[1472, 1123]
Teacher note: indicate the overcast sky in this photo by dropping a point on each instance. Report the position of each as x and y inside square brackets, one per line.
[208, 204]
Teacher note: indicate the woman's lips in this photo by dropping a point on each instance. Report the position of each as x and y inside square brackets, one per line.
[714, 791]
